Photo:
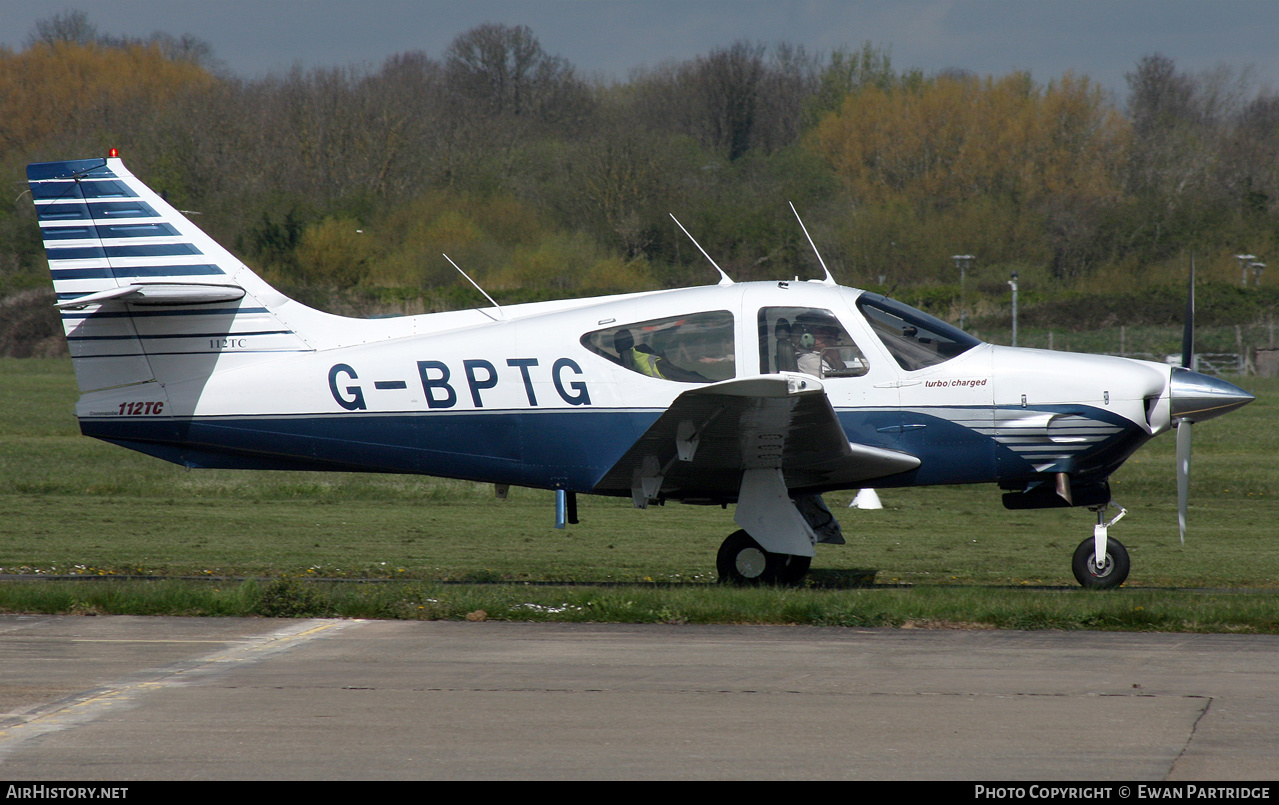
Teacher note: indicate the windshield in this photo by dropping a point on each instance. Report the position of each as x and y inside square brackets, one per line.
[915, 339]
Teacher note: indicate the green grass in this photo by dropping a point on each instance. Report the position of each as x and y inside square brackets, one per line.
[923, 606]
[72, 505]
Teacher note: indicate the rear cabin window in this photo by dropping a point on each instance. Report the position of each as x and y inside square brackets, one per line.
[915, 339]
[696, 348]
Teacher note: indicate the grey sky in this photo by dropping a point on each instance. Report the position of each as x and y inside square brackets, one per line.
[607, 38]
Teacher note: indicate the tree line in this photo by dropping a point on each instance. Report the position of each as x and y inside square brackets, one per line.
[355, 180]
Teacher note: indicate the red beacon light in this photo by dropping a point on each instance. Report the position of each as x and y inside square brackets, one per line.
[113, 153]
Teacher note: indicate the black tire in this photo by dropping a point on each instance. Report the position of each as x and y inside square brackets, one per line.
[1111, 575]
[743, 562]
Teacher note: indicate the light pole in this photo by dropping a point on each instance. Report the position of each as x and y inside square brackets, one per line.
[1013, 284]
[1244, 259]
[963, 262]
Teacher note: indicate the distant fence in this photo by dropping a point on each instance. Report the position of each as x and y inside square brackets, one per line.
[1265, 362]
[1220, 349]
[1210, 363]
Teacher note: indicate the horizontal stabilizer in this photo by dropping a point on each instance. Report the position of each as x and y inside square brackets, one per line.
[158, 294]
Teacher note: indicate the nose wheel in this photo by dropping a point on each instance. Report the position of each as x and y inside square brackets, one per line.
[743, 562]
[1112, 568]
[1112, 572]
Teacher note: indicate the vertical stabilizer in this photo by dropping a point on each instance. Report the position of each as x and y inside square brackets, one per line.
[146, 297]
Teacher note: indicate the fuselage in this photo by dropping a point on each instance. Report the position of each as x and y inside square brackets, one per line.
[540, 395]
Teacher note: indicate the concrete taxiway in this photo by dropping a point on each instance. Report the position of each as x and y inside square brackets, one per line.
[128, 698]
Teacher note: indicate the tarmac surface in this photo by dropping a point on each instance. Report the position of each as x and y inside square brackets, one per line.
[133, 698]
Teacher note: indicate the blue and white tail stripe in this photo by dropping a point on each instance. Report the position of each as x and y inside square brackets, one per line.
[143, 291]
[94, 244]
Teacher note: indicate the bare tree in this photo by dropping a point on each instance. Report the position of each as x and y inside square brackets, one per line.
[790, 82]
[1182, 126]
[185, 48]
[70, 26]
[503, 70]
[1159, 97]
[846, 72]
[729, 82]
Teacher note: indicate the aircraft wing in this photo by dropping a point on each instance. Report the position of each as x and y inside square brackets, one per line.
[699, 448]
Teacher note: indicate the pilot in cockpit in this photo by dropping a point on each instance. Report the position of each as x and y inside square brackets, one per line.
[818, 342]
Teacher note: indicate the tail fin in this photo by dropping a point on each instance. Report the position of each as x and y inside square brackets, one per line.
[146, 297]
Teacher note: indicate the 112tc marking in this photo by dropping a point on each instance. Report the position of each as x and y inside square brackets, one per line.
[143, 408]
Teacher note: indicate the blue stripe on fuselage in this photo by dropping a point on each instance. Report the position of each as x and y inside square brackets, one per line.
[949, 453]
[545, 449]
[953, 453]
[569, 449]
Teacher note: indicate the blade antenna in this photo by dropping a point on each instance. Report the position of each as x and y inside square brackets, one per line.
[829, 279]
[500, 313]
[724, 278]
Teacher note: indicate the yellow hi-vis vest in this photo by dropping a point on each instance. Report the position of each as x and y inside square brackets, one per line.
[646, 362]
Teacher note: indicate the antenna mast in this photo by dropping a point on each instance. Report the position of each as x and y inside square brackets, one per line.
[724, 278]
[500, 313]
[829, 279]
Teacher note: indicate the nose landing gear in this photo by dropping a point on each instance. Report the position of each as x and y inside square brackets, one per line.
[1102, 563]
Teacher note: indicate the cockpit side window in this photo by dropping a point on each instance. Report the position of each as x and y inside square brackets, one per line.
[697, 348]
[915, 339]
[810, 340]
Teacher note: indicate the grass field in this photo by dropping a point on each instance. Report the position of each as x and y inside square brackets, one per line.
[73, 505]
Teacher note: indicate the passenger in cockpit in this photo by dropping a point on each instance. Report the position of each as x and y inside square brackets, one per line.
[644, 359]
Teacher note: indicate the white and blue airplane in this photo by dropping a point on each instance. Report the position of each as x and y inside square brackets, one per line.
[760, 394]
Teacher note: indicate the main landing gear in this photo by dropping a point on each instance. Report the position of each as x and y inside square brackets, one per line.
[743, 562]
[779, 532]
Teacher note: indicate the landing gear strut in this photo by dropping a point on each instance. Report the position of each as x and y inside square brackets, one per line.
[743, 562]
[775, 545]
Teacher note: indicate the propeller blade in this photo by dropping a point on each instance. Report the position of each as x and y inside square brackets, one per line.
[1183, 425]
[1188, 330]
[1183, 474]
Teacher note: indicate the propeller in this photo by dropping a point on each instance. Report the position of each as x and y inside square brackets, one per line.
[1195, 397]
[1183, 425]
[1183, 475]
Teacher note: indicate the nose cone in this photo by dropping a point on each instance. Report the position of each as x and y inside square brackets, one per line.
[1198, 397]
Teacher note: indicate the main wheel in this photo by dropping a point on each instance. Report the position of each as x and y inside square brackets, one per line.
[1111, 574]
[743, 562]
